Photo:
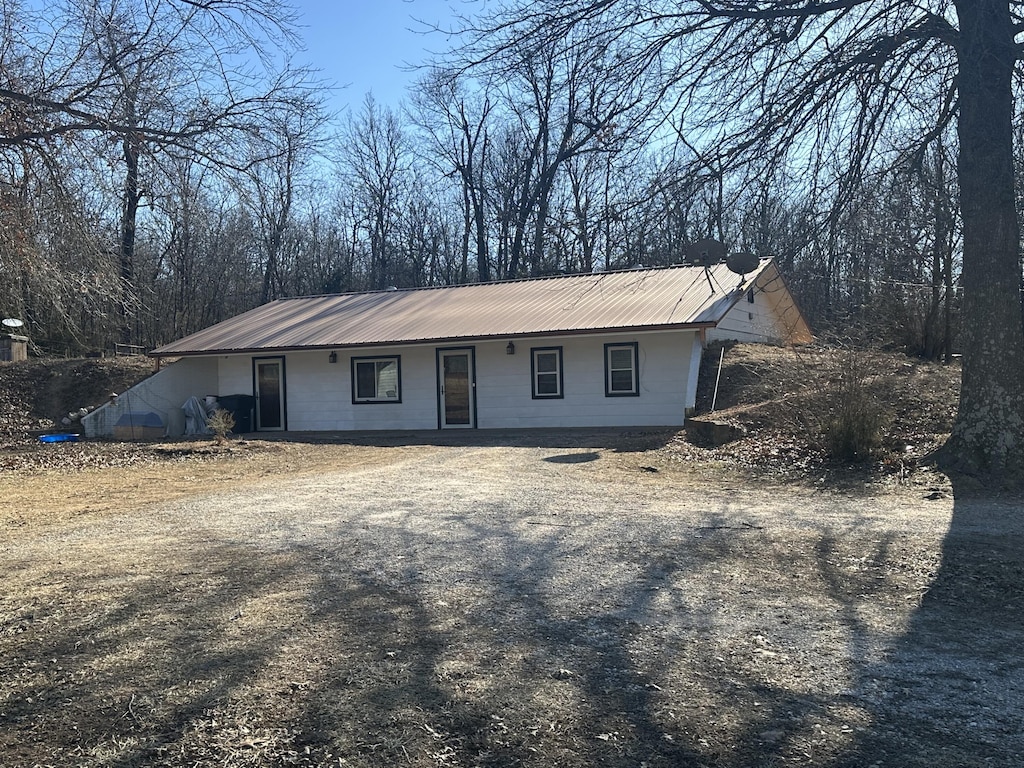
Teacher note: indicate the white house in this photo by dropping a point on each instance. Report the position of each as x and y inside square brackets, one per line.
[603, 349]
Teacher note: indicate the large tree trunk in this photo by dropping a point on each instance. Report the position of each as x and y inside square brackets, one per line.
[130, 145]
[483, 263]
[988, 436]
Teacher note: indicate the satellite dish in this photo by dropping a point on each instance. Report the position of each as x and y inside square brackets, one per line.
[742, 262]
[705, 252]
[12, 322]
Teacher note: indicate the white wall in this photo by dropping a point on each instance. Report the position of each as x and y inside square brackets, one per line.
[166, 389]
[772, 317]
[751, 322]
[504, 393]
[318, 393]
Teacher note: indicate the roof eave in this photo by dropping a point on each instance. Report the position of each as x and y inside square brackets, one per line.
[163, 352]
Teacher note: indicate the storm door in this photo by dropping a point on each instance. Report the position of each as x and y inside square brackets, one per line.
[268, 373]
[457, 389]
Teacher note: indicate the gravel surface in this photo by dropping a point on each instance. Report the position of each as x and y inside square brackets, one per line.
[573, 603]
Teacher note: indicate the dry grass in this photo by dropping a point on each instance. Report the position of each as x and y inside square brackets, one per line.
[160, 472]
[474, 605]
[567, 598]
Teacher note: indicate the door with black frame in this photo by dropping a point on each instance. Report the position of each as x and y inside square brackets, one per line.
[456, 388]
[268, 376]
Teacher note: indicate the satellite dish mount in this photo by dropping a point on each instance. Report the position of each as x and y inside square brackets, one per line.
[706, 253]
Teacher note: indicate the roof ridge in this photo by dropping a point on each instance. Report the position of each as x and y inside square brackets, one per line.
[509, 281]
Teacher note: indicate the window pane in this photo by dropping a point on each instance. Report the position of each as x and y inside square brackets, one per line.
[547, 384]
[456, 364]
[622, 381]
[621, 370]
[620, 358]
[387, 379]
[457, 393]
[547, 372]
[366, 380]
[547, 362]
[376, 379]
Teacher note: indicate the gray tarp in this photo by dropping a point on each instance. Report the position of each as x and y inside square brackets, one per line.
[195, 417]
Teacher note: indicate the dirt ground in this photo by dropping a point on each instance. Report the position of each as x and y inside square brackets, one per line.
[572, 599]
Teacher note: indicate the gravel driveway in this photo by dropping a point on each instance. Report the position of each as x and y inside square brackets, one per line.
[569, 604]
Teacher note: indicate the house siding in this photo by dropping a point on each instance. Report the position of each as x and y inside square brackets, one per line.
[749, 322]
[318, 393]
[505, 395]
[771, 318]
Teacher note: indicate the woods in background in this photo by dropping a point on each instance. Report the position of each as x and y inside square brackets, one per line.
[166, 166]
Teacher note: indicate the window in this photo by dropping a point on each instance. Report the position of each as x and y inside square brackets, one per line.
[376, 380]
[620, 372]
[546, 370]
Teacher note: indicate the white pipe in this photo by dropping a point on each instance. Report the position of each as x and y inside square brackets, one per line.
[718, 378]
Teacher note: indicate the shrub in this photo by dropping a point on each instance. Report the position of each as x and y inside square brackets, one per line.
[855, 421]
[221, 423]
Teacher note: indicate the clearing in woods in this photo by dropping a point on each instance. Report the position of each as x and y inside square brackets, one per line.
[574, 598]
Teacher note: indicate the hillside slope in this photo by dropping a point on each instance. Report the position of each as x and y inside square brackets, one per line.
[784, 398]
[37, 394]
[781, 398]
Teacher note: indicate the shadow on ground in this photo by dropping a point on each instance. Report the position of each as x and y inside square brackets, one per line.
[711, 642]
[624, 440]
[951, 691]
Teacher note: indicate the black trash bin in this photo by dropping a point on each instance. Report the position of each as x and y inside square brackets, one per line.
[240, 407]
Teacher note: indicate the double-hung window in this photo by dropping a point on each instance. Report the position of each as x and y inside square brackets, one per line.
[376, 380]
[621, 377]
[546, 372]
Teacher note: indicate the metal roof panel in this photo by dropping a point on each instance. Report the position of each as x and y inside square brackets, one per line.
[602, 301]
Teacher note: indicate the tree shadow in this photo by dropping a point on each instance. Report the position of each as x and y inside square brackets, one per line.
[373, 632]
[951, 689]
[618, 439]
[497, 665]
[119, 668]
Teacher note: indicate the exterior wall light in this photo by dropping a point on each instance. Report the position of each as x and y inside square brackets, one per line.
[510, 349]
[332, 358]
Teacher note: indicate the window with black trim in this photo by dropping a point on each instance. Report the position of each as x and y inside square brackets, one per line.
[376, 380]
[620, 370]
[546, 372]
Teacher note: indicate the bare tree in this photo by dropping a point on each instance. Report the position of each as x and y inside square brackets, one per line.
[457, 127]
[167, 79]
[57, 273]
[565, 101]
[280, 161]
[816, 81]
[587, 180]
[376, 155]
[326, 264]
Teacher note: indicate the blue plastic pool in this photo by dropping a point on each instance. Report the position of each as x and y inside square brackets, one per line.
[63, 438]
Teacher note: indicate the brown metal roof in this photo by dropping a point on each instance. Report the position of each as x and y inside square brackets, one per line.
[635, 299]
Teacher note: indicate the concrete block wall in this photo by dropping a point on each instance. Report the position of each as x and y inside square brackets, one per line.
[166, 389]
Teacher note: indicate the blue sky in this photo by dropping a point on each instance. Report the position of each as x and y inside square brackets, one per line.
[363, 44]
